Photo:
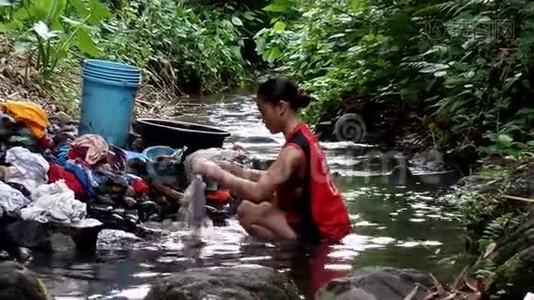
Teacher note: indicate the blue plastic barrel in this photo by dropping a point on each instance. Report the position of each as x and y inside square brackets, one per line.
[107, 108]
[97, 64]
[112, 77]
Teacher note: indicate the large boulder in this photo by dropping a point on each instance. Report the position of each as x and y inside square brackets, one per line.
[19, 283]
[378, 283]
[247, 282]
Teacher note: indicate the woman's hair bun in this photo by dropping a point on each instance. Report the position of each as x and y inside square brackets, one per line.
[276, 89]
[303, 99]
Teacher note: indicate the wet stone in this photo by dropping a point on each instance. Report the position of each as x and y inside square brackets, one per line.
[245, 282]
[154, 217]
[18, 282]
[4, 255]
[119, 211]
[149, 207]
[24, 254]
[130, 192]
[117, 218]
[104, 200]
[61, 243]
[129, 202]
[378, 283]
[132, 216]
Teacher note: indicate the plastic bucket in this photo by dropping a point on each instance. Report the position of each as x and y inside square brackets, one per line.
[110, 72]
[106, 108]
[100, 75]
[111, 66]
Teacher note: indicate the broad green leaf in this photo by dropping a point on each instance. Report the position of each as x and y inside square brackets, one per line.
[5, 3]
[42, 30]
[526, 112]
[505, 139]
[279, 26]
[86, 43]
[55, 24]
[279, 6]
[237, 52]
[440, 73]
[260, 45]
[21, 14]
[9, 27]
[249, 15]
[98, 12]
[432, 68]
[274, 54]
[80, 6]
[38, 10]
[237, 21]
[357, 5]
[55, 8]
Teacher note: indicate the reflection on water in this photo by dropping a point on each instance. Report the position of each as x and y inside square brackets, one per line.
[400, 224]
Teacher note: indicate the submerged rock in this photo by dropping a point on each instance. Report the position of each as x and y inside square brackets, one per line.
[378, 283]
[240, 282]
[19, 283]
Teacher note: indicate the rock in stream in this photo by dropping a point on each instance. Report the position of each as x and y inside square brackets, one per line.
[239, 282]
[378, 283]
[19, 283]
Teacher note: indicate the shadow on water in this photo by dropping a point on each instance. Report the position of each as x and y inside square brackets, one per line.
[400, 223]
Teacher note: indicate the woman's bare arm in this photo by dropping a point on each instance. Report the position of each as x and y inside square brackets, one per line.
[287, 162]
[237, 170]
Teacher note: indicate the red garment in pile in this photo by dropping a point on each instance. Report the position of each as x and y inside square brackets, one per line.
[57, 172]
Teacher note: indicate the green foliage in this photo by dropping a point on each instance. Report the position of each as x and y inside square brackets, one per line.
[51, 28]
[487, 214]
[462, 65]
[179, 43]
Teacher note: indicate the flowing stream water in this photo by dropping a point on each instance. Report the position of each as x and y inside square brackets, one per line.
[399, 223]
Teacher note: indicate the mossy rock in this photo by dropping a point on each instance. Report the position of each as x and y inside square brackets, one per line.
[19, 283]
[239, 283]
[378, 283]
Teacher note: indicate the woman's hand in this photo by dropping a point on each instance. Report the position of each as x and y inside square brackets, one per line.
[206, 167]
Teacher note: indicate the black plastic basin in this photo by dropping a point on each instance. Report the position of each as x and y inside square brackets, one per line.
[178, 134]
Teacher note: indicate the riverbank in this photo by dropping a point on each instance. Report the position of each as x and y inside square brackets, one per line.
[497, 208]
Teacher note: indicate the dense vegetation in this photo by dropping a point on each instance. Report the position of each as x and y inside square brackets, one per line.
[184, 47]
[463, 66]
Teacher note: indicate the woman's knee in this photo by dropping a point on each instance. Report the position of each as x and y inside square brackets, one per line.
[244, 208]
[249, 213]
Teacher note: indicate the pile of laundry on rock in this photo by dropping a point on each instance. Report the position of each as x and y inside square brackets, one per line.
[50, 173]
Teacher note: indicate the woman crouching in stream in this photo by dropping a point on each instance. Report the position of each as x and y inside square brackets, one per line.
[295, 198]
